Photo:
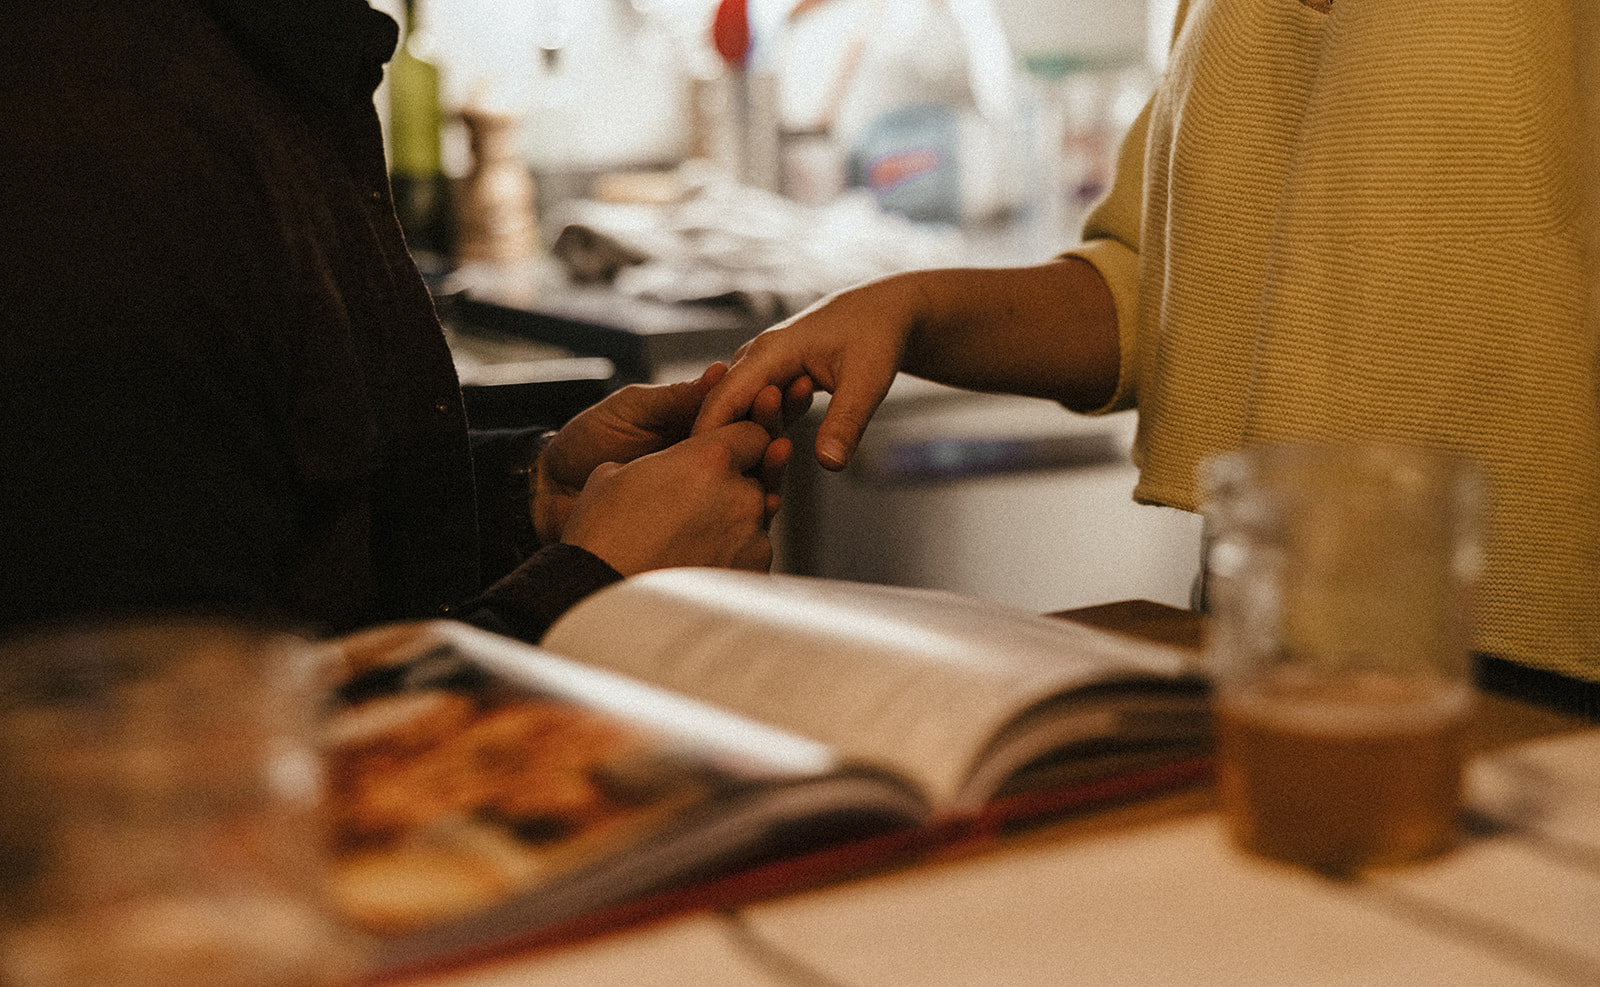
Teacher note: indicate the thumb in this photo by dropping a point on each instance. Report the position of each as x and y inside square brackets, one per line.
[729, 398]
[670, 409]
[843, 424]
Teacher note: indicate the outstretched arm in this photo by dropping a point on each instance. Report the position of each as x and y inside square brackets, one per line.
[1047, 330]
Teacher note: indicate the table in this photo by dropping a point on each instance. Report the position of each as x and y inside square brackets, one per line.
[1152, 893]
[644, 340]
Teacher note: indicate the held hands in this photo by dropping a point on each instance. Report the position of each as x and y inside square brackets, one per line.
[850, 344]
[626, 481]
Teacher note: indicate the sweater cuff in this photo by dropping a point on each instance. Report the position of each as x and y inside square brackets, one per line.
[1119, 268]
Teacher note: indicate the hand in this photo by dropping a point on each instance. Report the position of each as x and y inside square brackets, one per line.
[849, 344]
[703, 501]
[635, 421]
[641, 419]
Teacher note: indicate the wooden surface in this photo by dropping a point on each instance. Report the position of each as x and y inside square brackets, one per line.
[1143, 619]
[1500, 722]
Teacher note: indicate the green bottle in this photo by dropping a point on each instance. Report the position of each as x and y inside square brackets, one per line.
[421, 190]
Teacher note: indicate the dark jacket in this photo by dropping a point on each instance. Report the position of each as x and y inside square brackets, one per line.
[223, 384]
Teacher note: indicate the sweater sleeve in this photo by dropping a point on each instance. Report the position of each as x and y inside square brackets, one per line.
[1111, 245]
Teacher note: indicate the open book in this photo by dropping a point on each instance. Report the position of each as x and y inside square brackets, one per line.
[686, 727]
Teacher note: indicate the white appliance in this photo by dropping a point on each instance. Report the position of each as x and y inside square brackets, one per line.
[1004, 498]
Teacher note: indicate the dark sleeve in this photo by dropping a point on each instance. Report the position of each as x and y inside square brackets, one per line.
[533, 585]
[502, 461]
[527, 601]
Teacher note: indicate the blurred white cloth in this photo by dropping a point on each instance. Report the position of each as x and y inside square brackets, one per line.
[720, 239]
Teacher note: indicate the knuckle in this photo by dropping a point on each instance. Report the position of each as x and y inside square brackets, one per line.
[633, 393]
[712, 456]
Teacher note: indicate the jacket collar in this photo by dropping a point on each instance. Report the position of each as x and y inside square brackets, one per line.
[327, 52]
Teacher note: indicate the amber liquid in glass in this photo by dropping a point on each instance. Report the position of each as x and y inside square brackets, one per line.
[1341, 774]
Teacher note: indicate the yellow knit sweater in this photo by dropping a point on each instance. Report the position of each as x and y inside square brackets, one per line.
[1369, 223]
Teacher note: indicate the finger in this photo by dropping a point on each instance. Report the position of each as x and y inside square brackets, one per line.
[664, 410]
[773, 463]
[683, 399]
[693, 392]
[746, 443]
[797, 399]
[689, 396]
[712, 374]
[767, 410]
[846, 419]
[734, 394]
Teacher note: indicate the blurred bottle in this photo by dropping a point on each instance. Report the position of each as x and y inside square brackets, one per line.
[497, 222]
[748, 105]
[1079, 108]
[421, 190]
[928, 113]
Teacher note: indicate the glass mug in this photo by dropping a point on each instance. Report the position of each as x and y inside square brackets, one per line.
[1338, 578]
[158, 811]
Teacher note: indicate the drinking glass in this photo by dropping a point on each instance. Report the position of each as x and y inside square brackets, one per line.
[1339, 578]
[158, 810]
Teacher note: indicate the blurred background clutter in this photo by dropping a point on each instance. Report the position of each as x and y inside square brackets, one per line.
[602, 191]
[948, 112]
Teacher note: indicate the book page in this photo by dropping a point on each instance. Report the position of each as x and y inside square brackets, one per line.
[915, 680]
[471, 775]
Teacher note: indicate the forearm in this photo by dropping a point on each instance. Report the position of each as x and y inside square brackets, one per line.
[1047, 330]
